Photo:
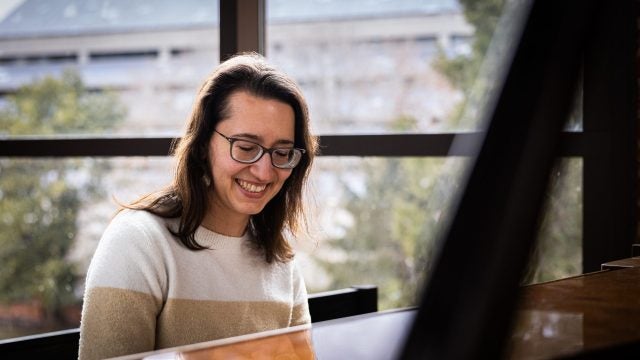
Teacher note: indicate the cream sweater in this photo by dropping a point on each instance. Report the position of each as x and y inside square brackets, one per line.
[146, 291]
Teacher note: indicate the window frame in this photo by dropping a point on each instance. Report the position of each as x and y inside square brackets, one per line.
[607, 144]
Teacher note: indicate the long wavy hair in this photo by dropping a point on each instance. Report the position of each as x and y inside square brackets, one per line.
[186, 198]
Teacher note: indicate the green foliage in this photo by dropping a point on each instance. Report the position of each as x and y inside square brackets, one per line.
[390, 241]
[40, 199]
[463, 70]
[57, 106]
[483, 15]
[38, 225]
[558, 252]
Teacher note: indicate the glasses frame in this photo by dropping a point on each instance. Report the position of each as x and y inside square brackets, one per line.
[263, 150]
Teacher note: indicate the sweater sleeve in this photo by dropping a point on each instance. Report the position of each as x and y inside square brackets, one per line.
[124, 291]
[301, 305]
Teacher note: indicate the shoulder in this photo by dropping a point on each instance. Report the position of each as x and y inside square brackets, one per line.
[140, 218]
[294, 265]
[138, 223]
[132, 250]
[135, 230]
[288, 268]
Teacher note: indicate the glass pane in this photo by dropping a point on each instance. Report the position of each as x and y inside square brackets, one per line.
[558, 253]
[371, 66]
[379, 218]
[385, 211]
[132, 68]
[376, 220]
[53, 214]
[363, 68]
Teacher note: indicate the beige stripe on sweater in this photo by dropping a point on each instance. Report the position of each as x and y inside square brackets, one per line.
[181, 321]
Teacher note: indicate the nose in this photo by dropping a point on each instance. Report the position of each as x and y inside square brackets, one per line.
[262, 169]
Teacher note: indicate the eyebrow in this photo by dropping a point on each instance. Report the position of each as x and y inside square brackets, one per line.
[258, 138]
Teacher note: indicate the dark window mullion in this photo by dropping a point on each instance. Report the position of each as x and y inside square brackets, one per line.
[428, 145]
[242, 27]
[610, 105]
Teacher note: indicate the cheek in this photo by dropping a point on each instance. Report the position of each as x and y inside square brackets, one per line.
[224, 170]
[220, 164]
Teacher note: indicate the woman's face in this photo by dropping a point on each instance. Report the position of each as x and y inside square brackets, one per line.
[241, 190]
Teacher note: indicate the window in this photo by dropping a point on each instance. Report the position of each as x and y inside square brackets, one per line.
[370, 69]
[387, 88]
[406, 68]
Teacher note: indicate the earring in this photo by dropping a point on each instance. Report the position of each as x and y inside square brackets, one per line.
[206, 180]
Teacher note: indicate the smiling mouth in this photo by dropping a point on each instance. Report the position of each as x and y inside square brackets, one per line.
[247, 186]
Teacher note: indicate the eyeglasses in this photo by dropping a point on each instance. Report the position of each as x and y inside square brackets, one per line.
[248, 152]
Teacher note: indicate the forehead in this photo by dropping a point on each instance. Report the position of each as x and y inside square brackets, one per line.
[264, 117]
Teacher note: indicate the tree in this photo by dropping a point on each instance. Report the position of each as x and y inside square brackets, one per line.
[396, 219]
[463, 70]
[40, 199]
[390, 240]
[558, 250]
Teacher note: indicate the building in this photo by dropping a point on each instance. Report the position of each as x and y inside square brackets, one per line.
[155, 54]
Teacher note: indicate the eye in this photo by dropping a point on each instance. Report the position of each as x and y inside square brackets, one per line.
[246, 146]
[282, 153]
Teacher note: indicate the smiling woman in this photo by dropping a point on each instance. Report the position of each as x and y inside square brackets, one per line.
[242, 189]
[206, 257]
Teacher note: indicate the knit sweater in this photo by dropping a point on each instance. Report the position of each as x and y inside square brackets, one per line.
[146, 291]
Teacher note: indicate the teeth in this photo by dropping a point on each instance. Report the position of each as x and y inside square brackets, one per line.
[251, 187]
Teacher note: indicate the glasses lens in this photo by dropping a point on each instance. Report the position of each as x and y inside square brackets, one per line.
[286, 158]
[245, 151]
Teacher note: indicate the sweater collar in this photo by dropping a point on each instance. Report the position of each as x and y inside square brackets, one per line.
[213, 240]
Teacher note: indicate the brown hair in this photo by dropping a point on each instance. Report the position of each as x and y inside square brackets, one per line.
[186, 197]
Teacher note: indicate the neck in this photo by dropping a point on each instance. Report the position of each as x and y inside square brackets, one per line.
[220, 221]
[225, 226]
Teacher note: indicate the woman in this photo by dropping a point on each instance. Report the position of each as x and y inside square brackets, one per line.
[206, 257]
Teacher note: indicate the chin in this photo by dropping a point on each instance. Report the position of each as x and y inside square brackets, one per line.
[251, 210]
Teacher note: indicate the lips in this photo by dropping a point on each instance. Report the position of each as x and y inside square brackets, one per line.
[252, 188]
